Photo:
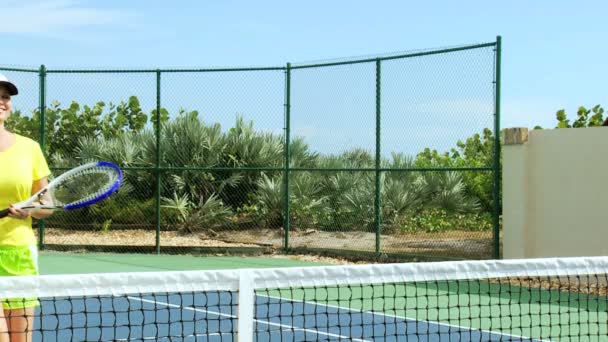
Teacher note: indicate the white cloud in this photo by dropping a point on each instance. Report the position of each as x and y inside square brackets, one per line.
[58, 18]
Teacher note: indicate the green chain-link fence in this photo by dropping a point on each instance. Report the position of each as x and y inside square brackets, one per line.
[395, 154]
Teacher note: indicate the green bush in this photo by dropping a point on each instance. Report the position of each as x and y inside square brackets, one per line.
[125, 211]
[439, 220]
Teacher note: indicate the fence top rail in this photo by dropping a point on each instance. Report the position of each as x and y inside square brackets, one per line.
[270, 68]
[127, 71]
[18, 69]
[398, 56]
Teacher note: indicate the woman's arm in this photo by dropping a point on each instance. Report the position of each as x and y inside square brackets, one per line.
[41, 213]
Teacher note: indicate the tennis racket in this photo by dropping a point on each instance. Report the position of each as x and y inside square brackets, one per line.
[76, 188]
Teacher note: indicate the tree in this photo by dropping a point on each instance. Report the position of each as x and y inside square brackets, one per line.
[475, 151]
[584, 118]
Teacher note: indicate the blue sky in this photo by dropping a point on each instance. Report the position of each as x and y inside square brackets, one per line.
[554, 52]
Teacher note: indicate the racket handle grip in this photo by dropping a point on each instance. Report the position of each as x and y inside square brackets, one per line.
[4, 213]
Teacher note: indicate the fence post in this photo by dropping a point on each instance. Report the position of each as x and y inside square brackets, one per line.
[378, 199]
[286, 173]
[158, 177]
[42, 142]
[496, 194]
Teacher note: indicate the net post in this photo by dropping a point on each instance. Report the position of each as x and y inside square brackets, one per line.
[245, 307]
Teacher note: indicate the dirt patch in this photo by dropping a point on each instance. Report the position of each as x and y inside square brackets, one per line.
[450, 244]
[132, 237]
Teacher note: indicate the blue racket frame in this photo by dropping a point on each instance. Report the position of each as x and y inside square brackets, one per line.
[104, 195]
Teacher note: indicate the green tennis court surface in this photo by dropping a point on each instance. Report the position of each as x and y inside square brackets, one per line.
[71, 263]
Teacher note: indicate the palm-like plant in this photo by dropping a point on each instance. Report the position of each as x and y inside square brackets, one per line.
[357, 207]
[308, 204]
[349, 195]
[402, 194]
[447, 191]
[204, 215]
[269, 200]
[300, 154]
[124, 149]
[247, 147]
[188, 142]
[400, 198]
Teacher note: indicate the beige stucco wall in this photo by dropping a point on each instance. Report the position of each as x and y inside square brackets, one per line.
[555, 194]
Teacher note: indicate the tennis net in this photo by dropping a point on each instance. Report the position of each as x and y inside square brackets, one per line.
[503, 300]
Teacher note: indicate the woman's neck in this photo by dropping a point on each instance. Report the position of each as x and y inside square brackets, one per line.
[3, 132]
[7, 139]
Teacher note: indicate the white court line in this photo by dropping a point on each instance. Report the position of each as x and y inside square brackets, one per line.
[407, 318]
[283, 326]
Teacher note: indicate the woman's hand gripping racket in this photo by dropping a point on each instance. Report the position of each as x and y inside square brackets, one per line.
[77, 188]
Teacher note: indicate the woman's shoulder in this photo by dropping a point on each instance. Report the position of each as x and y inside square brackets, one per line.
[25, 141]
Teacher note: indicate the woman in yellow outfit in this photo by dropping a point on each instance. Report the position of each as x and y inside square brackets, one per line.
[23, 171]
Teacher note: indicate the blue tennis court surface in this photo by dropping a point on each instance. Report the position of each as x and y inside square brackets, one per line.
[213, 317]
